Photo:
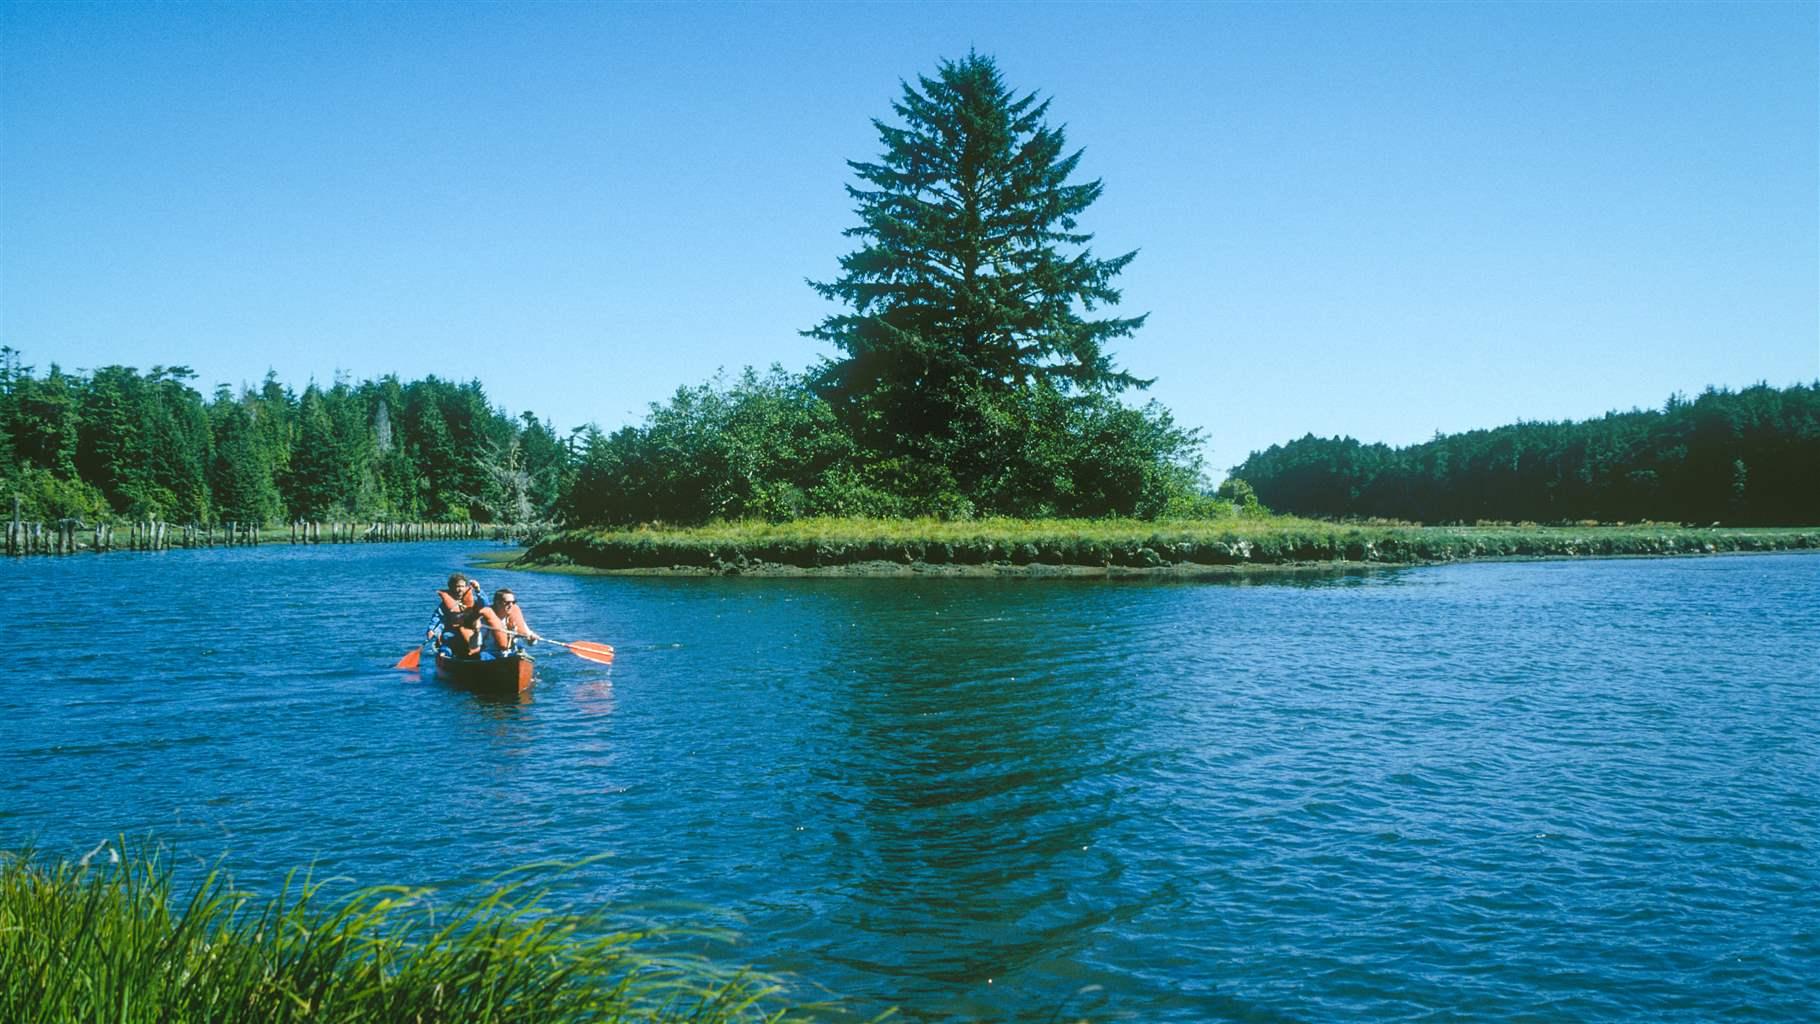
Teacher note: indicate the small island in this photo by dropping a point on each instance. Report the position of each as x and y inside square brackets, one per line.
[1110, 548]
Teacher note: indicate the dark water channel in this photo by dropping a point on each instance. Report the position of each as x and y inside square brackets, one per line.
[1542, 791]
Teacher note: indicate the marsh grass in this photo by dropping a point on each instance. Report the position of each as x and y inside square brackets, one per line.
[119, 942]
[1229, 540]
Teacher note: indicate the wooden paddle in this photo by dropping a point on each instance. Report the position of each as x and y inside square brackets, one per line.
[600, 654]
[410, 660]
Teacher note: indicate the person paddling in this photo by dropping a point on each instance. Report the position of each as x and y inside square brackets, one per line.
[460, 609]
[501, 622]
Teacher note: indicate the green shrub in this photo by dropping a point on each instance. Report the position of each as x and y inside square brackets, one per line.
[46, 496]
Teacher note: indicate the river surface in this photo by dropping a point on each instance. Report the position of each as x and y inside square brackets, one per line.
[1567, 791]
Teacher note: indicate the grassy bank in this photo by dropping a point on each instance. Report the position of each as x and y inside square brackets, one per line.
[998, 546]
[118, 942]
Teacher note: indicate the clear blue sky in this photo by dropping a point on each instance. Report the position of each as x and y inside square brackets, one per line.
[1368, 219]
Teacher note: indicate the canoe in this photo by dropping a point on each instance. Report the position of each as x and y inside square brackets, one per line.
[501, 675]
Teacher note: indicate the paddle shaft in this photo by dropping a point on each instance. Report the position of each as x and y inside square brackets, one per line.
[588, 651]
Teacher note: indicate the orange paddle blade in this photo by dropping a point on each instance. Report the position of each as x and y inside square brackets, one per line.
[598, 653]
[410, 660]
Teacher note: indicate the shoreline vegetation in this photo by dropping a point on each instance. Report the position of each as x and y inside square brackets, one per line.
[113, 937]
[1117, 547]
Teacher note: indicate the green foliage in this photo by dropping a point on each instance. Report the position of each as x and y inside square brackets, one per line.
[970, 301]
[1751, 456]
[144, 441]
[121, 443]
[1241, 496]
[37, 417]
[770, 448]
[120, 942]
[757, 447]
[45, 496]
[241, 478]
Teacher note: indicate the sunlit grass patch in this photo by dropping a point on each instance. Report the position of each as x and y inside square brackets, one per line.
[117, 941]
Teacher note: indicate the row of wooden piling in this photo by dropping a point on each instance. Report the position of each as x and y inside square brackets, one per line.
[68, 536]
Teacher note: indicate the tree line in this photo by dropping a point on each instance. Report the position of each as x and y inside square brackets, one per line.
[119, 443]
[1749, 457]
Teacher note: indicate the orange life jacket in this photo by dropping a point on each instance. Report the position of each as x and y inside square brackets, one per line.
[458, 612]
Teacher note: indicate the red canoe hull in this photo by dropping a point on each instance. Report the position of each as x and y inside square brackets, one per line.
[504, 675]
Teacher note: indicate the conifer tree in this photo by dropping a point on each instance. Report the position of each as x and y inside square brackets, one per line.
[240, 479]
[973, 284]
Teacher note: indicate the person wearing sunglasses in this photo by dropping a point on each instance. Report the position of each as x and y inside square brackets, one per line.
[500, 623]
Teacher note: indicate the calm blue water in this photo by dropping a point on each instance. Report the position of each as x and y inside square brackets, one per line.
[1542, 791]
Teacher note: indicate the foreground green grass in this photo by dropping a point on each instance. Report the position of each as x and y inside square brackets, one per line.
[1130, 543]
[117, 942]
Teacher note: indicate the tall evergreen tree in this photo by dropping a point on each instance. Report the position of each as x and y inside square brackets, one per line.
[318, 483]
[240, 479]
[181, 444]
[972, 284]
[41, 420]
[113, 450]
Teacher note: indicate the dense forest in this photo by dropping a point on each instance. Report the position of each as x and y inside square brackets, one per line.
[118, 443]
[1750, 457]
